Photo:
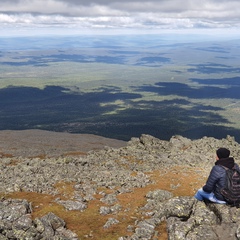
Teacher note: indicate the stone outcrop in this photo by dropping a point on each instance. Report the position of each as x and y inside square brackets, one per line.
[113, 168]
[16, 223]
[188, 219]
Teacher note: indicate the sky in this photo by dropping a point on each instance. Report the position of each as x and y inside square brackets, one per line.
[30, 17]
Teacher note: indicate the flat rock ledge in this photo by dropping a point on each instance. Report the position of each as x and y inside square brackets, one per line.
[113, 168]
[187, 219]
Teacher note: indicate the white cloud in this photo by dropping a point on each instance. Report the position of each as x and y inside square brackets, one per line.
[154, 14]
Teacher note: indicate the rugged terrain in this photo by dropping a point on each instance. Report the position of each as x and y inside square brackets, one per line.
[64, 186]
[40, 143]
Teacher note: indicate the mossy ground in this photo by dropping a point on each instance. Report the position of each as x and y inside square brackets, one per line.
[181, 181]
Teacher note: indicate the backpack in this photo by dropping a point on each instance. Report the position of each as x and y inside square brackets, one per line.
[231, 191]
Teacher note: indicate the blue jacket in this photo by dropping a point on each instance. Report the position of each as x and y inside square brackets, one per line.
[216, 179]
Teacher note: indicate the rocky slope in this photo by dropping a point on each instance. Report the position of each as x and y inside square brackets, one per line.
[137, 190]
[40, 143]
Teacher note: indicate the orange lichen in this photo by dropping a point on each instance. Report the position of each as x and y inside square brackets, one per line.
[7, 155]
[13, 162]
[65, 189]
[40, 156]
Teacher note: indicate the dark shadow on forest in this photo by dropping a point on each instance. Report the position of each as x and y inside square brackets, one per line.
[233, 82]
[57, 109]
[45, 60]
[152, 60]
[214, 49]
[121, 58]
[211, 68]
[203, 92]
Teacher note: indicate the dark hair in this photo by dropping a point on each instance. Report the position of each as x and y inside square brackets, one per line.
[223, 153]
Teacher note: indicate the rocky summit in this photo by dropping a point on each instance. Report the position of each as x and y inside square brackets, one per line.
[141, 190]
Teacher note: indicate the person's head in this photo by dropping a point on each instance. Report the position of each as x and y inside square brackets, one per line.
[222, 153]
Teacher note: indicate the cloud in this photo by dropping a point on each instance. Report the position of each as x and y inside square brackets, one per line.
[105, 14]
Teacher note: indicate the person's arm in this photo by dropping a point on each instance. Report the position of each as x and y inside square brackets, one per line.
[237, 166]
[212, 180]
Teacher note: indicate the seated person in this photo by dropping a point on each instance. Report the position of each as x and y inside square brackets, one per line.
[216, 179]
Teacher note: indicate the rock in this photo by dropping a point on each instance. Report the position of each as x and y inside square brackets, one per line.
[64, 233]
[110, 210]
[16, 223]
[73, 205]
[105, 210]
[188, 218]
[12, 209]
[204, 222]
[159, 195]
[109, 199]
[110, 222]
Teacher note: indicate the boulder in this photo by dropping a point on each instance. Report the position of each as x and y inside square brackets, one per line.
[16, 223]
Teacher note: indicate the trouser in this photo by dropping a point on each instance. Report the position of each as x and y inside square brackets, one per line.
[201, 195]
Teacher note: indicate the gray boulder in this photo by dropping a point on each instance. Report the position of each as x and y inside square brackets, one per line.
[16, 223]
[187, 219]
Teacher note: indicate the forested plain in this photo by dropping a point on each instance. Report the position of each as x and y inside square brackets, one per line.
[121, 86]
